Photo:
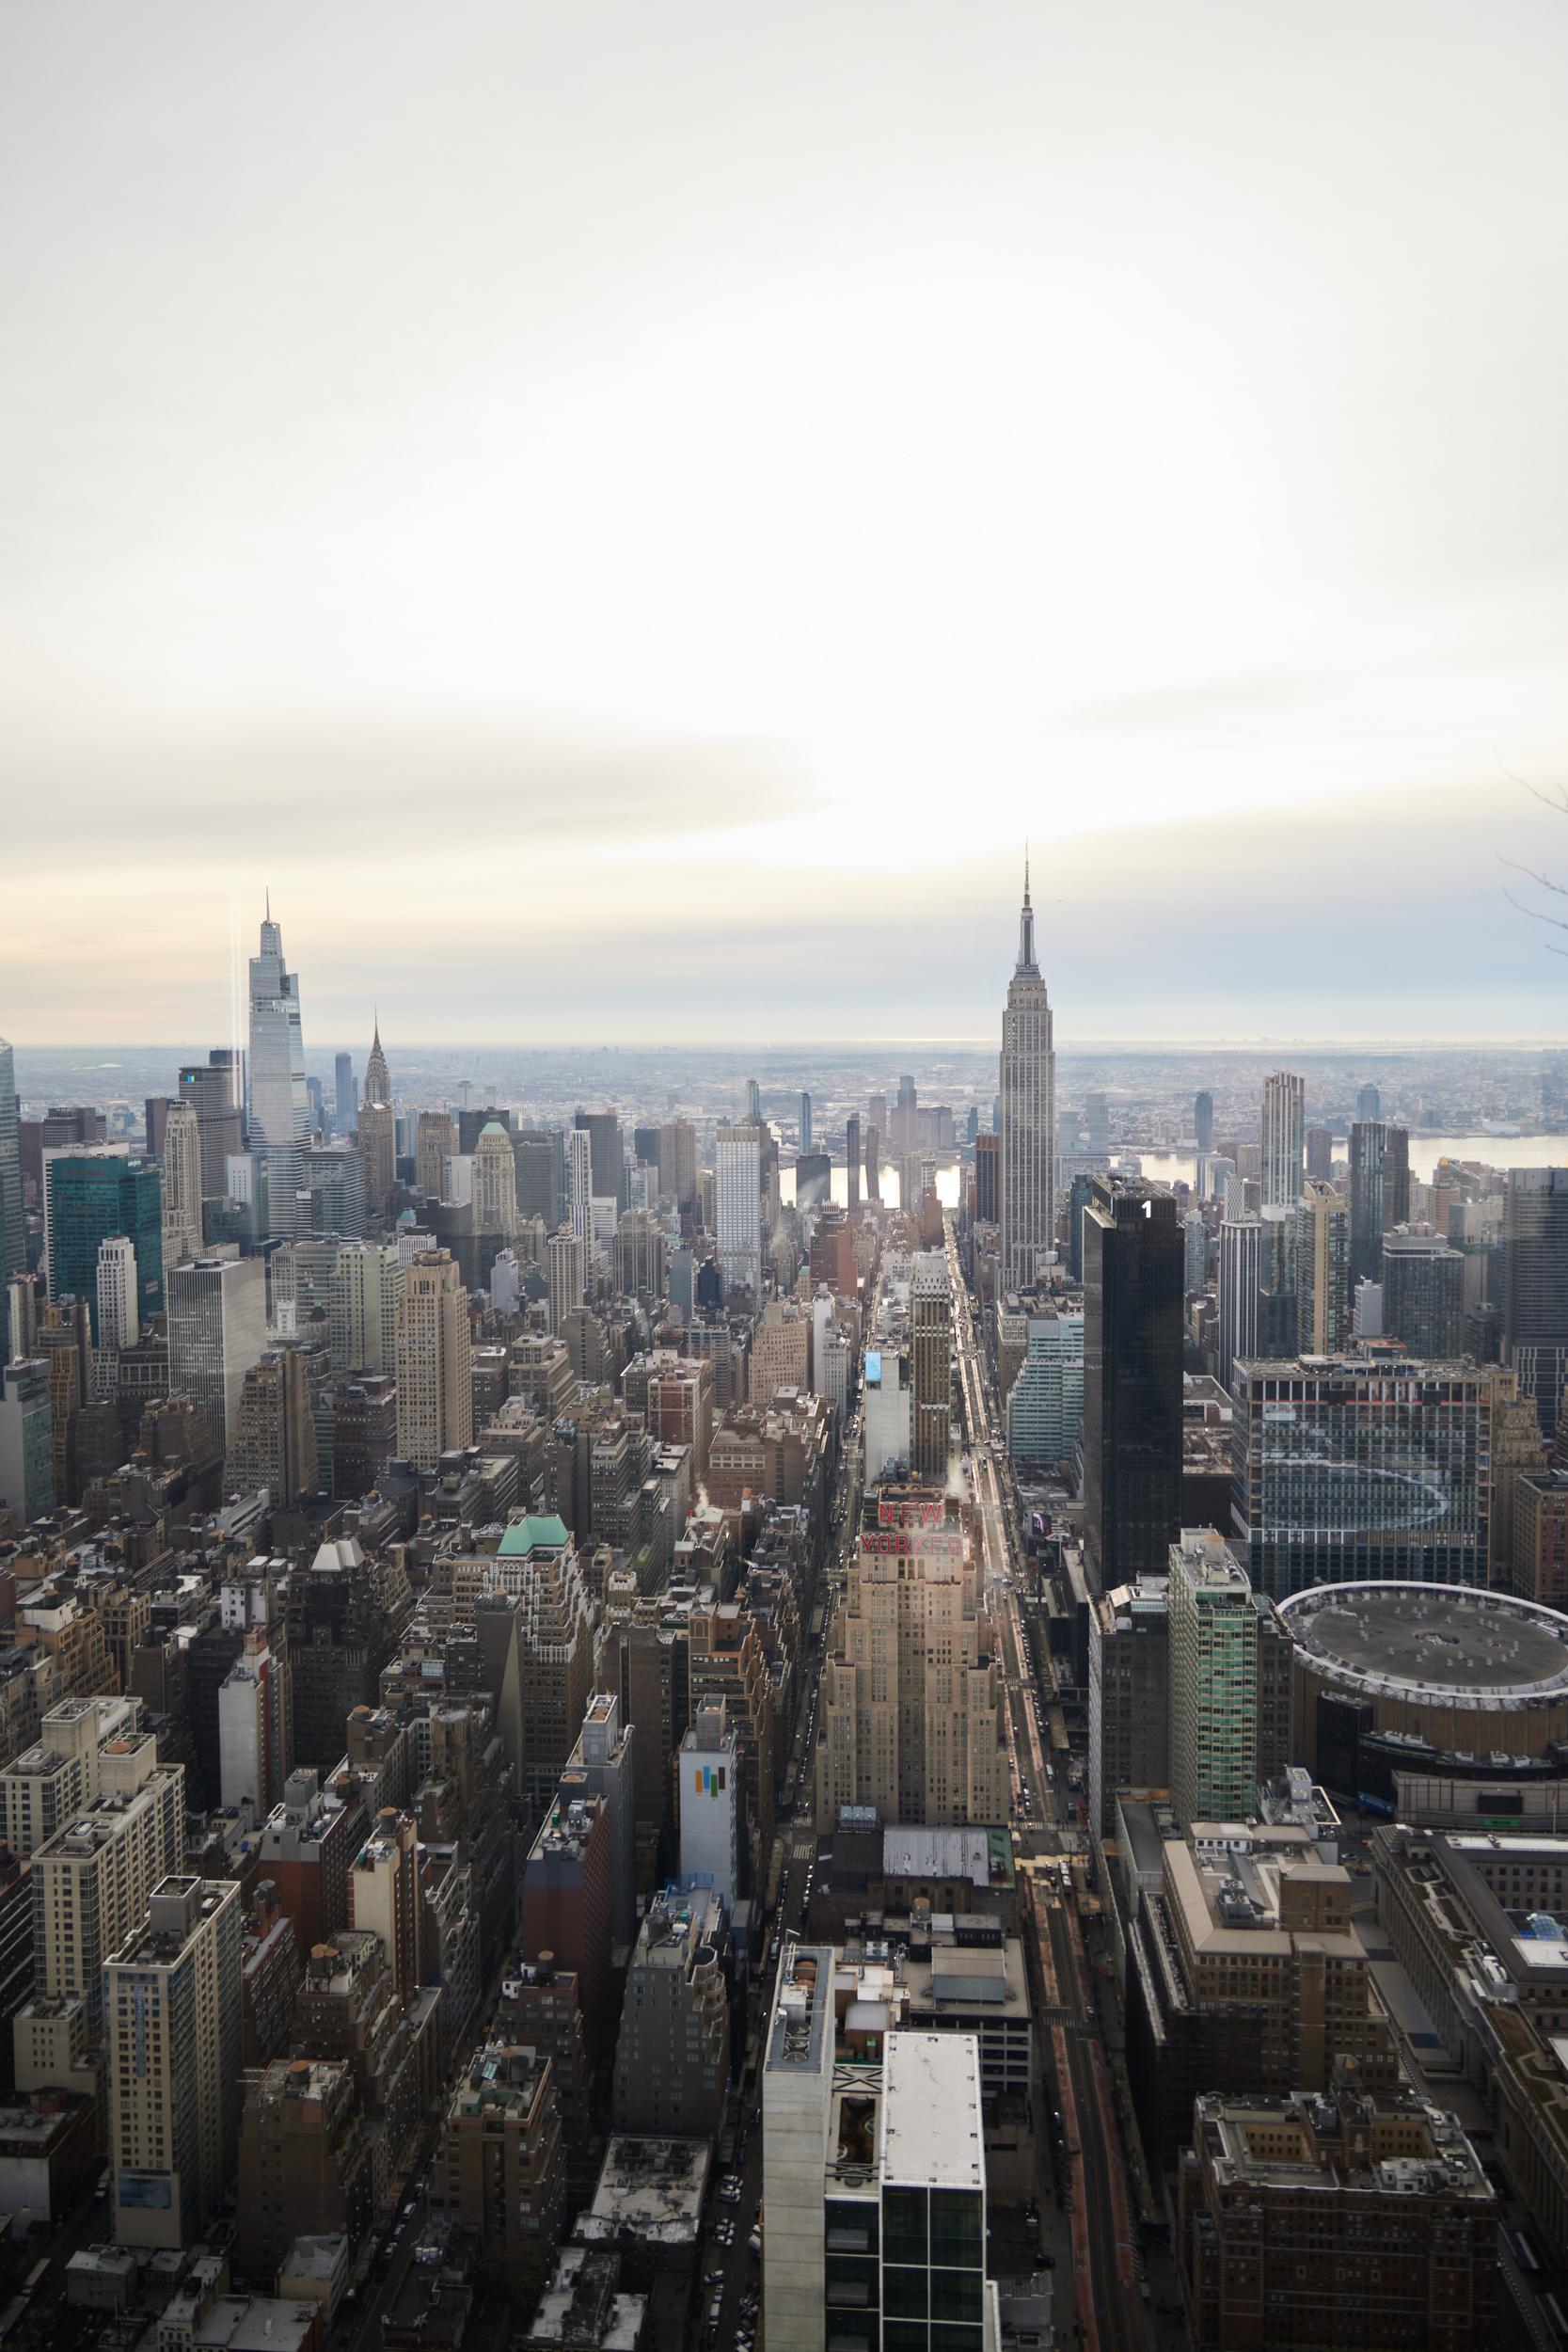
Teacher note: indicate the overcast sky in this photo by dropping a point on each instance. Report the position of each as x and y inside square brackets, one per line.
[625, 516]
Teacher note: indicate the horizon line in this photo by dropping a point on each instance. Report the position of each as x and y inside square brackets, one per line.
[1362, 1042]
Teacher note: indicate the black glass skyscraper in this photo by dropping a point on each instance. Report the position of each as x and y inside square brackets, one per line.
[1203, 1120]
[1133, 1257]
[1379, 1193]
[1535, 1286]
[607, 1158]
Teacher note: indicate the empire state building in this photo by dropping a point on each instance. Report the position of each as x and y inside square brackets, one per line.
[1028, 1092]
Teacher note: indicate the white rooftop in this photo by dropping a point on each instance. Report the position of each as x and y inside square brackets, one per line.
[930, 2112]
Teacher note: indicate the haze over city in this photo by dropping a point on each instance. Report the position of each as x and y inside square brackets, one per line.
[625, 520]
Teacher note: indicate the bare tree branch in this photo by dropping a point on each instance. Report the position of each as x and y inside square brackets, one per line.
[1558, 800]
[1559, 889]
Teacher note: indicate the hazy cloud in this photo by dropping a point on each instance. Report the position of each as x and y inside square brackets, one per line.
[629, 517]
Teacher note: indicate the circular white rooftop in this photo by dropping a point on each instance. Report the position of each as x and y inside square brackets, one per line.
[1432, 1638]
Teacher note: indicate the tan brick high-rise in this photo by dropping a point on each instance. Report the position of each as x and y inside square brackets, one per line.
[912, 1712]
[435, 1407]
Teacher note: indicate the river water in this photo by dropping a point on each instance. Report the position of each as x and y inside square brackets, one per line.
[1165, 1168]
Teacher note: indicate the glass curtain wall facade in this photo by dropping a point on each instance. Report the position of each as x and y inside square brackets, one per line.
[279, 1107]
[1379, 1195]
[89, 1199]
[1344, 1476]
[1045, 1411]
[13, 1233]
[217, 1329]
[1535, 1286]
[1133, 1250]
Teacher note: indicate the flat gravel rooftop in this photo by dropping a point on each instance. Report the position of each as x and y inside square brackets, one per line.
[1434, 1636]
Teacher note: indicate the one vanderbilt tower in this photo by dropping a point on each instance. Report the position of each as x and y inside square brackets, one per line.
[1028, 1113]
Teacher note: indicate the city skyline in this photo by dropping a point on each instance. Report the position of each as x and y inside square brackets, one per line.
[1101, 432]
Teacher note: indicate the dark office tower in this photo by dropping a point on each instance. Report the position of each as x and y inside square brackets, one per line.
[873, 1143]
[753, 1099]
[906, 1129]
[1379, 1193]
[1276, 1283]
[644, 1144]
[79, 1124]
[1080, 1192]
[605, 1157]
[988, 1180]
[472, 1123]
[814, 1179]
[852, 1161]
[537, 1151]
[1369, 1105]
[13, 1233]
[1203, 1121]
[805, 1120]
[279, 1123]
[1423, 1294]
[1320, 1153]
[154, 1120]
[1133, 1303]
[347, 1093]
[1535, 1287]
[215, 1090]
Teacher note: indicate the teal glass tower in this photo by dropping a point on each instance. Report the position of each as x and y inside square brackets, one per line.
[93, 1194]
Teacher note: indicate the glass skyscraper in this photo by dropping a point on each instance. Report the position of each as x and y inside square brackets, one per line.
[1379, 1193]
[91, 1193]
[1535, 1286]
[1345, 1472]
[279, 1107]
[1133, 1252]
[1045, 1410]
[14, 1232]
[217, 1329]
[26, 1440]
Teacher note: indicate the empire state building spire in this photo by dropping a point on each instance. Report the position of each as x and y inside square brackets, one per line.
[1027, 1084]
[1026, 926]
